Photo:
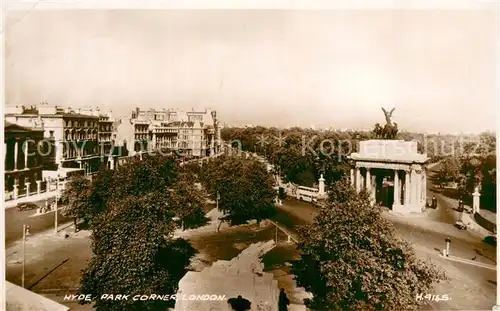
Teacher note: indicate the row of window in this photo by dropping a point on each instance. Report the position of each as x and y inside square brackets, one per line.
[81, 136]
[105, 128]
[80, 123]
[168, 130]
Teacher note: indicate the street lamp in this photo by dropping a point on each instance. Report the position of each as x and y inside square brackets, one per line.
[55, 212]
[448, 241]
[26, 232]
[217, 200]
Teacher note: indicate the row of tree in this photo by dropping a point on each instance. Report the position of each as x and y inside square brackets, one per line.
[469, 172]
[302, 155]
[243, 187]
[134, 210]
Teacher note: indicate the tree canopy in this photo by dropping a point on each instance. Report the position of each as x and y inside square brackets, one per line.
[244, 186]
[351, 258]
[132, 212]
[473, 165]
[301, 154]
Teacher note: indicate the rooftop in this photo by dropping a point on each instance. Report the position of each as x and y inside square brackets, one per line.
[19, 298]
[11, 127]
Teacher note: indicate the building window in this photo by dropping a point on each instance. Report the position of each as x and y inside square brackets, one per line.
[51, 134]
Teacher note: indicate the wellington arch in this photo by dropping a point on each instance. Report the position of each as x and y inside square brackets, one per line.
[393, 172]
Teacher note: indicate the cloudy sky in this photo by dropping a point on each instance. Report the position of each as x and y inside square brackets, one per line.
[329, 68]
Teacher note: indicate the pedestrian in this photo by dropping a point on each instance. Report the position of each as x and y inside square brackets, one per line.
[283, 301]
[239, 304]
[434, 202]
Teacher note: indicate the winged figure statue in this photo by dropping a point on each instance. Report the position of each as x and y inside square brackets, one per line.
[388, 115]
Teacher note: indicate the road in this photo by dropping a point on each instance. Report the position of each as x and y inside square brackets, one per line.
[472, 287]
[14, 221]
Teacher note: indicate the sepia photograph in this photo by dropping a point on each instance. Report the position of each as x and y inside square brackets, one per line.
[333, 159]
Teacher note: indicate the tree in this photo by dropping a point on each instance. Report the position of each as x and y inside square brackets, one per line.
[245, 187]
[351, 258]
[134, 251]
[76, 195]
[479, 171]
[449, 170]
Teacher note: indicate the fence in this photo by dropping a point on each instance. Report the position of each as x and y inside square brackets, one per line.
[485, 223]
[22, 192]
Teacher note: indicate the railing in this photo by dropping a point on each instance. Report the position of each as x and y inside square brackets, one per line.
[291, 236]
[485, 223]
[22, 193]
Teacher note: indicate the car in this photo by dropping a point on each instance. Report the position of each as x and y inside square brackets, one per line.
[460, 225]
[26, 206]
[491, 240]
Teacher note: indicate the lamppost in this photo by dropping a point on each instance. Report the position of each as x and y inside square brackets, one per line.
[448, 241]
[217, 200]
[55, 203]
[26, 232]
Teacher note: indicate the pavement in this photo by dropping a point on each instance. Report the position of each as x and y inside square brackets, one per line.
[53, 262]
[14, 221]
[472, 285]
[32, 198]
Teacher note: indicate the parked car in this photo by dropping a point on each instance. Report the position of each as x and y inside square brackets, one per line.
[26, 206]
[460, 225]
[491, 240]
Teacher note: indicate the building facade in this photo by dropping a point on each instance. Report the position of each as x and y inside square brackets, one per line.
[23, 156]
[77, 138]
[191, 133]
[106, 139]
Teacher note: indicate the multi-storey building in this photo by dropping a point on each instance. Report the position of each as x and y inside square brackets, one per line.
[192, 133]
[23, 151]
[107, 136]
[73, 135]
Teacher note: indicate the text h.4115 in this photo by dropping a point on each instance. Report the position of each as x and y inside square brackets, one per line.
[429, 297]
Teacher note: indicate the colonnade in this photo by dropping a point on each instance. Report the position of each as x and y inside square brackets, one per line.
[17, 148]
[412, 178]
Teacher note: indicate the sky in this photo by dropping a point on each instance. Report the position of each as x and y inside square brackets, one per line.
[329, 68]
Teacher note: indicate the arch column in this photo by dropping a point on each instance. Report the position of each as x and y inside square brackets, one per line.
[358, 179]
[414, 187]
[397, 188]
[407, 192]
[368, 180]
[424, 186]
[420, 186]
[371, 184]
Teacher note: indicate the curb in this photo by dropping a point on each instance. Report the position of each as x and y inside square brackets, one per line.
[474, 227]
[470, 262]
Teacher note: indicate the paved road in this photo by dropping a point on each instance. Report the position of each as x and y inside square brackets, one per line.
[427, 240]
[14, 221]
[445, 211]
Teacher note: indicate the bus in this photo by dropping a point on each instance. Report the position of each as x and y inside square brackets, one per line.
[307, 194]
